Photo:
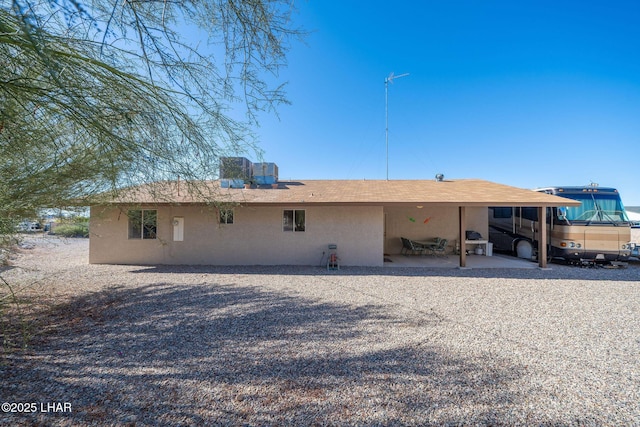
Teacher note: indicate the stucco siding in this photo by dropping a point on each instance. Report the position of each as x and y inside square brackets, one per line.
[256, 237]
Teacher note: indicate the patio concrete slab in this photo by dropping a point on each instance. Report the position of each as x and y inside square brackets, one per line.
[453, 261]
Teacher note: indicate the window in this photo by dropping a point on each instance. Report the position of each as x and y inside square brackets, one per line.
[226, 216]
[530, 213]
[293, 220]
[143, 224]
[596, 207]
[501, 212]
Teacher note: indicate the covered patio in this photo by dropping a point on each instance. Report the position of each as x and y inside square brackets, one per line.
[452, 208]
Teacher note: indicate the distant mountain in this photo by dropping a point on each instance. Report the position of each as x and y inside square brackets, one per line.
[633, 209]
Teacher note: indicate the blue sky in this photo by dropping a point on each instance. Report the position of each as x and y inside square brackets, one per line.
[523, 93]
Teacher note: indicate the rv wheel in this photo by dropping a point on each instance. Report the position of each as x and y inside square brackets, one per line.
[524, 249]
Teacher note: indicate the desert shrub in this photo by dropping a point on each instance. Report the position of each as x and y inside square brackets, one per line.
[80, 229]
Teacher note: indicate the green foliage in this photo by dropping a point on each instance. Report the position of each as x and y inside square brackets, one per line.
[72, 230]
[79, 220]
[7, 227]
[97, 96]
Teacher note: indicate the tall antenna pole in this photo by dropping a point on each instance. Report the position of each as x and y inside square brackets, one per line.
[388, 80]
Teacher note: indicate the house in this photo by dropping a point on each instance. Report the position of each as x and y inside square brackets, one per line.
[293, 222]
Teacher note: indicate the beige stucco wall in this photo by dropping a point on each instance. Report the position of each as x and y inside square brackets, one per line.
[255, 237]
[428, 222]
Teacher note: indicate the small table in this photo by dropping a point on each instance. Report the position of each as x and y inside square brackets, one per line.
[426, 243]
[477, 242]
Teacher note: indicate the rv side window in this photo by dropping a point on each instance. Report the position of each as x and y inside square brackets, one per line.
[530, 213]
[502, 212]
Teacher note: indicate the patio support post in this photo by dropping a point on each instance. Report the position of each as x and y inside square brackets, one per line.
[542, 237]
[463, 237]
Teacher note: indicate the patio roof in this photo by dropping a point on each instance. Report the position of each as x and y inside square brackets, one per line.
[463, 192]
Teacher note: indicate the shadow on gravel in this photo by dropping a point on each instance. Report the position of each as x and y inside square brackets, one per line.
[170, 354]
[558, 272]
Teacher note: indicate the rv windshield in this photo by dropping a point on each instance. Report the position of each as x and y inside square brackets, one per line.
[596, 208]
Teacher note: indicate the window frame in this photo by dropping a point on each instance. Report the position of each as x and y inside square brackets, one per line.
[137, 222]
[294, 220]
[223, 216]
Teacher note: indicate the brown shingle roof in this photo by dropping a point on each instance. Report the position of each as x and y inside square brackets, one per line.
[464, 192]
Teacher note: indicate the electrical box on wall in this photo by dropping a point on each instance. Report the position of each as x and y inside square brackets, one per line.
[178, 229]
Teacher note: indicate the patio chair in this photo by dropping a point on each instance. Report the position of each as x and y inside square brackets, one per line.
[409, 245]
[439, 249]
[406, 246]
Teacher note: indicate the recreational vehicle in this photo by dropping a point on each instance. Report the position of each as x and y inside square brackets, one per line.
[596, 231]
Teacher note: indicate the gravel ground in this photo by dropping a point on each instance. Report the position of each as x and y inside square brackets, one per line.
[135, 345]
